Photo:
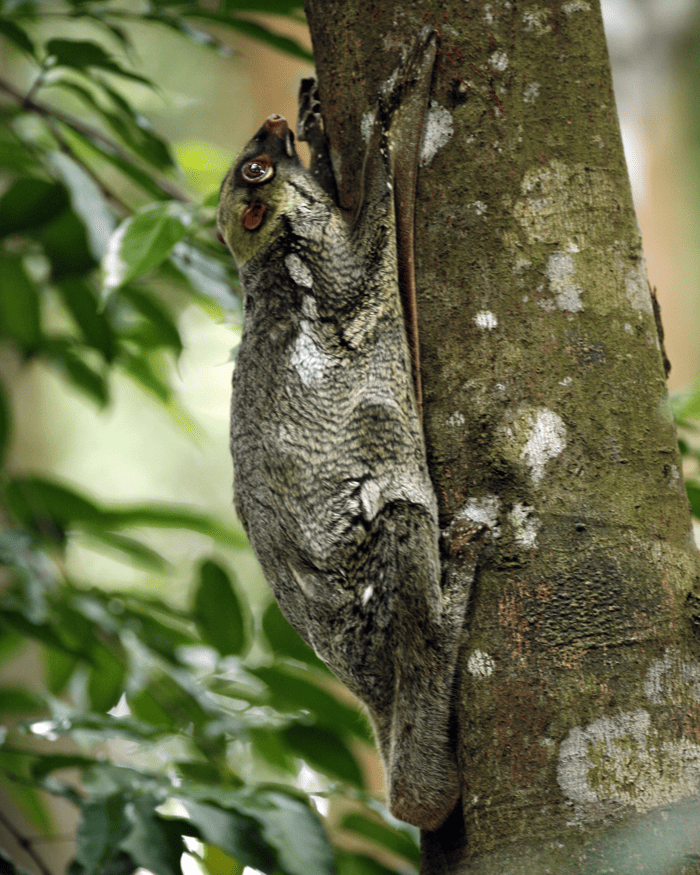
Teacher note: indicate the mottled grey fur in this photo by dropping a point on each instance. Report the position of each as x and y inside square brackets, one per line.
[331, 481]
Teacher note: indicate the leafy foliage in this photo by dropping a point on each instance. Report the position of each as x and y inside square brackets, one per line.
[172, 729]
[686, 412]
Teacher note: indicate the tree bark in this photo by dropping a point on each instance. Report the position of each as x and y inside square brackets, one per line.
[546, 417]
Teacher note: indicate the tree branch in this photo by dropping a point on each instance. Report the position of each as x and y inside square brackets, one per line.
[25, 844]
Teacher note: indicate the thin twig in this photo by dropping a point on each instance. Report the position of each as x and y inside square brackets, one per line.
[46, 111]
[25, 844]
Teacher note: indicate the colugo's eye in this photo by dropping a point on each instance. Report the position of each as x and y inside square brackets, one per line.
[258, 170]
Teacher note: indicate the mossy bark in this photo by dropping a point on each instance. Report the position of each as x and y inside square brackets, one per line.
[546, 417]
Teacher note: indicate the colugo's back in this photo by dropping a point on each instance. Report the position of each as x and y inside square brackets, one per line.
[331, 481]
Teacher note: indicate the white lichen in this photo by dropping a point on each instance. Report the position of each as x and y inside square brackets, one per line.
[547, 440]
[456, 420]
[537, 22]
[563, 202]
[486, 320]
[480, 664]
[560, 269]
[499, 61]
[531, 92]
[525, 525]
[576, 6]
[482, 510]
[624, 759]
[520, 266]
[437, 131]
[671, 679]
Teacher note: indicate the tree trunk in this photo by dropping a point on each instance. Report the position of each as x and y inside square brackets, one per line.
[546, 416]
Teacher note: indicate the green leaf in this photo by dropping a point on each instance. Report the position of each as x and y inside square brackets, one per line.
[173, 517]
[357, 864]
[163, 637]
[83, 306]
[66, 246]
[96, 147]
[156, 328]
[285, 641]
[289, 825]
[390, 838]
[42, 632]
[140, 369]
[34, 499]
[30, 203]
[16, 35]
[142, 242]
[139, 554]
[62, 355]
[87, 200]
[106, 682]
[84, 54]
[146, 708]
[15, 155]
[17, 700]
[194, 34]
[104, 727]
[268, 745]
[216, 862]
[687, 405]
[45, 764]
[5, 423]
[137, 131]
[173, 700]
[294, 830]
[290, 692]
[58, 668]
[218, 611]
[325, 751]
[103, 826]
[19, 303]
[256, 31]
[154, 842]
[206, 275]
[693, 492]
[237, 834]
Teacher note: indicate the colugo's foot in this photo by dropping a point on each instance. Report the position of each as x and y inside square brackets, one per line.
[312, 130]
[309, 120]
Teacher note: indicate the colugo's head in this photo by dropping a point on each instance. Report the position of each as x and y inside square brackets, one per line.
[256, 192]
